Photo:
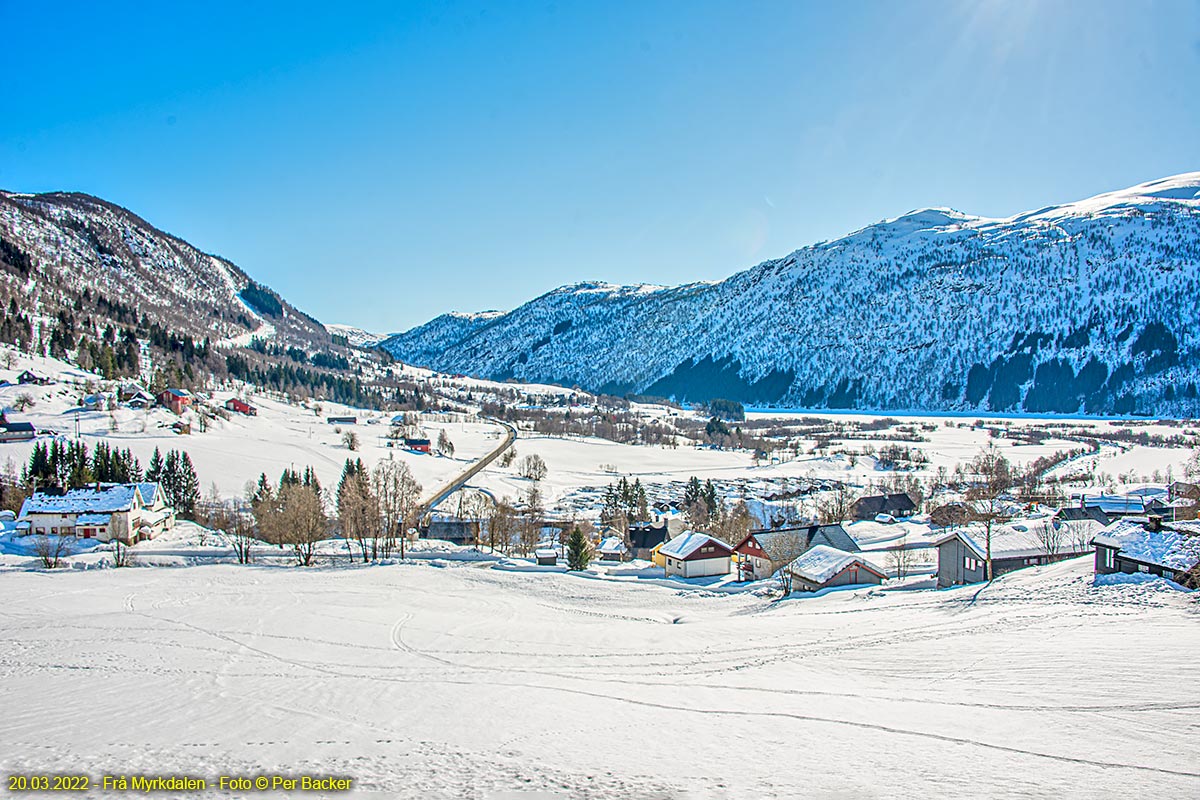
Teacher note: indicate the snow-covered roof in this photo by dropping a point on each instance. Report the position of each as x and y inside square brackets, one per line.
[149, 492]
[822, 562]
[545, 553]
[689, 542]
[1120, 503]
[93, 519]
[1176, 545]
[107, 499]
[1018, 539]
[612, 544]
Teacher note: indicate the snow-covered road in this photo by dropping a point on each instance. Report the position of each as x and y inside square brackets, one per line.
[460, 681]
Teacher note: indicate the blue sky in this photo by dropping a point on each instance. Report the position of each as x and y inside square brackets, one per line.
[379, 165]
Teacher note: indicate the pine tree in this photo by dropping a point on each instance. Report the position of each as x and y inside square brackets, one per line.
[189, 487]
[154, 471]
[579, 554]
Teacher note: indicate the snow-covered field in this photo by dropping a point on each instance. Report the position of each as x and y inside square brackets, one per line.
[463, 681]
[238, 449]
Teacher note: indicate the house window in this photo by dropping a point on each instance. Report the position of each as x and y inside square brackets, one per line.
[1143, 568]
[1108, 558]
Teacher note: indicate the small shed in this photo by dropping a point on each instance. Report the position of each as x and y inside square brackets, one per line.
[240, 407]
[342, 420]
[546, 557]
[419, 445]
[612, 549]
[823, 566]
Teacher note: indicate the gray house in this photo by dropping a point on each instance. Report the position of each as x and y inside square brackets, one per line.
[962, 552]
[1150, 546]
[823, 566]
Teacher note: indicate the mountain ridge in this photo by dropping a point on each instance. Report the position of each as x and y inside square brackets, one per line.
[1078, 307]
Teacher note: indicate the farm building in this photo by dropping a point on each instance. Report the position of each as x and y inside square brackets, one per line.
[342, 420]
[419, 445]
[11, 431]
[962, 553]
[452, 529]
[892, 505]
[178, 400]
[1151, 546]
[28, 377]
[130, 512]
[695, 555]
[822, 566]
[763, 553]
[240, 407]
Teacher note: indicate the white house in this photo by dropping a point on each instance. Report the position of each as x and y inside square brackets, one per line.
[695, 555]
[130, 512]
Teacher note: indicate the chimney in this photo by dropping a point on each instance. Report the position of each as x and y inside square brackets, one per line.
[1153, 523]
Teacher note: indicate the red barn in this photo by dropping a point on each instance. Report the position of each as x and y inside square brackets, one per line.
[241, 407]
[419, 445]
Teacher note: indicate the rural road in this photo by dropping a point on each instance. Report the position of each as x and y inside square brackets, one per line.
[510, 436]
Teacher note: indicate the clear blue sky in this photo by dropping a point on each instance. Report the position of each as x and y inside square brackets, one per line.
[379, 166]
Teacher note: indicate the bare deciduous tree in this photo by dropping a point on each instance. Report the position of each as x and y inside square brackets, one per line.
[502, 525]
[302, 521]
[901, 559]
[1051, 537]
[533, 467]
[397, 494]
[122, 553]
[991, 477]
[835, 505]
[52, 549]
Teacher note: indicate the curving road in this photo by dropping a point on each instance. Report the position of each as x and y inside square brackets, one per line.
[476, 468]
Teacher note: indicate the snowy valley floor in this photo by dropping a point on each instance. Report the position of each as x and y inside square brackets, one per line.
[463, 681]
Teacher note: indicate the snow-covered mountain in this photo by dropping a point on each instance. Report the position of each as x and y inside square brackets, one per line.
[76, 254]
[356, 337]
[1084, 307]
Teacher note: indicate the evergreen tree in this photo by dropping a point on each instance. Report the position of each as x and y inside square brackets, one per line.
[189, 487]
[154, 471]
[579, 553]
[710, 499]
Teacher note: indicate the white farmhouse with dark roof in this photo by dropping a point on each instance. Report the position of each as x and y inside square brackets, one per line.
[129, 512]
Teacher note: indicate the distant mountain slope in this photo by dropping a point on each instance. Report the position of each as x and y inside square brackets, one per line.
[356, 337]
[1085, 307]
[79, 253]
